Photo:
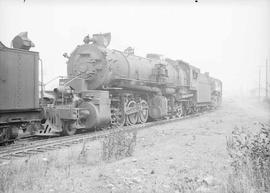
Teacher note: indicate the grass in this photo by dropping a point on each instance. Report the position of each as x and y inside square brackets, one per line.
[249, 152]
[64, 170]
[23, 177]
[250, 155]
[119, 144]
[61, 171]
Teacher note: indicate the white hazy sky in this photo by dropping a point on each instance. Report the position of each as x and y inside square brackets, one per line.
[227, 38]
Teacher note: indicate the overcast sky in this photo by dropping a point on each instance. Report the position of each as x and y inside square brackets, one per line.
[229, 39]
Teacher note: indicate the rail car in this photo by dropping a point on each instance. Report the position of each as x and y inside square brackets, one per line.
[19, 88]
[106, 86]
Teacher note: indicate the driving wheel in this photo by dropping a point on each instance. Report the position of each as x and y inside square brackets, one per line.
[144, 112]
[68, 128]
[132, 118]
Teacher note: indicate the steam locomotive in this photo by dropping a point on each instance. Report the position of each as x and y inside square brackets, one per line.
[105, 86]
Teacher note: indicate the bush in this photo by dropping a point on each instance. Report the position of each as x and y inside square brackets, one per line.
[119, 144]
[250, 154]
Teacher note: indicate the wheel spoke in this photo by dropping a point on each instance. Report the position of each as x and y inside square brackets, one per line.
[132, 118]
[143, 114]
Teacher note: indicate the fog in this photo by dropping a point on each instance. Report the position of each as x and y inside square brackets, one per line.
[229, 39]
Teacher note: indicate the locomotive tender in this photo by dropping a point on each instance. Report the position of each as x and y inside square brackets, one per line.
[19, 92]
[106, 86]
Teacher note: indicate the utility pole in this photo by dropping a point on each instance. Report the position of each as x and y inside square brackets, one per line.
[266, 79]
[259, 83]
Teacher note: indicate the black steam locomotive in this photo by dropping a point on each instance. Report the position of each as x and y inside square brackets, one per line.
[105, 86]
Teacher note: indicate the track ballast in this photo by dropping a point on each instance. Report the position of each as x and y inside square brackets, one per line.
[28, 148]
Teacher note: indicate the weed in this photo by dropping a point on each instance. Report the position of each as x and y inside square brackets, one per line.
[82, 158]
[250, 154]
[118, 144]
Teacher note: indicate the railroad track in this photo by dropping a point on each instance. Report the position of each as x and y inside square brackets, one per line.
[40, 146]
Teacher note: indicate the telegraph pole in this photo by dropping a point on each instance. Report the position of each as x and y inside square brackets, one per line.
[259, 83]
[266, 79]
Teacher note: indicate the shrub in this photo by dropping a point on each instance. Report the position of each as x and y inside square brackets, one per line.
[118, 144]
[250, 154]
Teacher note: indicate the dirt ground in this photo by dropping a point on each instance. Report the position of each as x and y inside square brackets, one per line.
[184, 156]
